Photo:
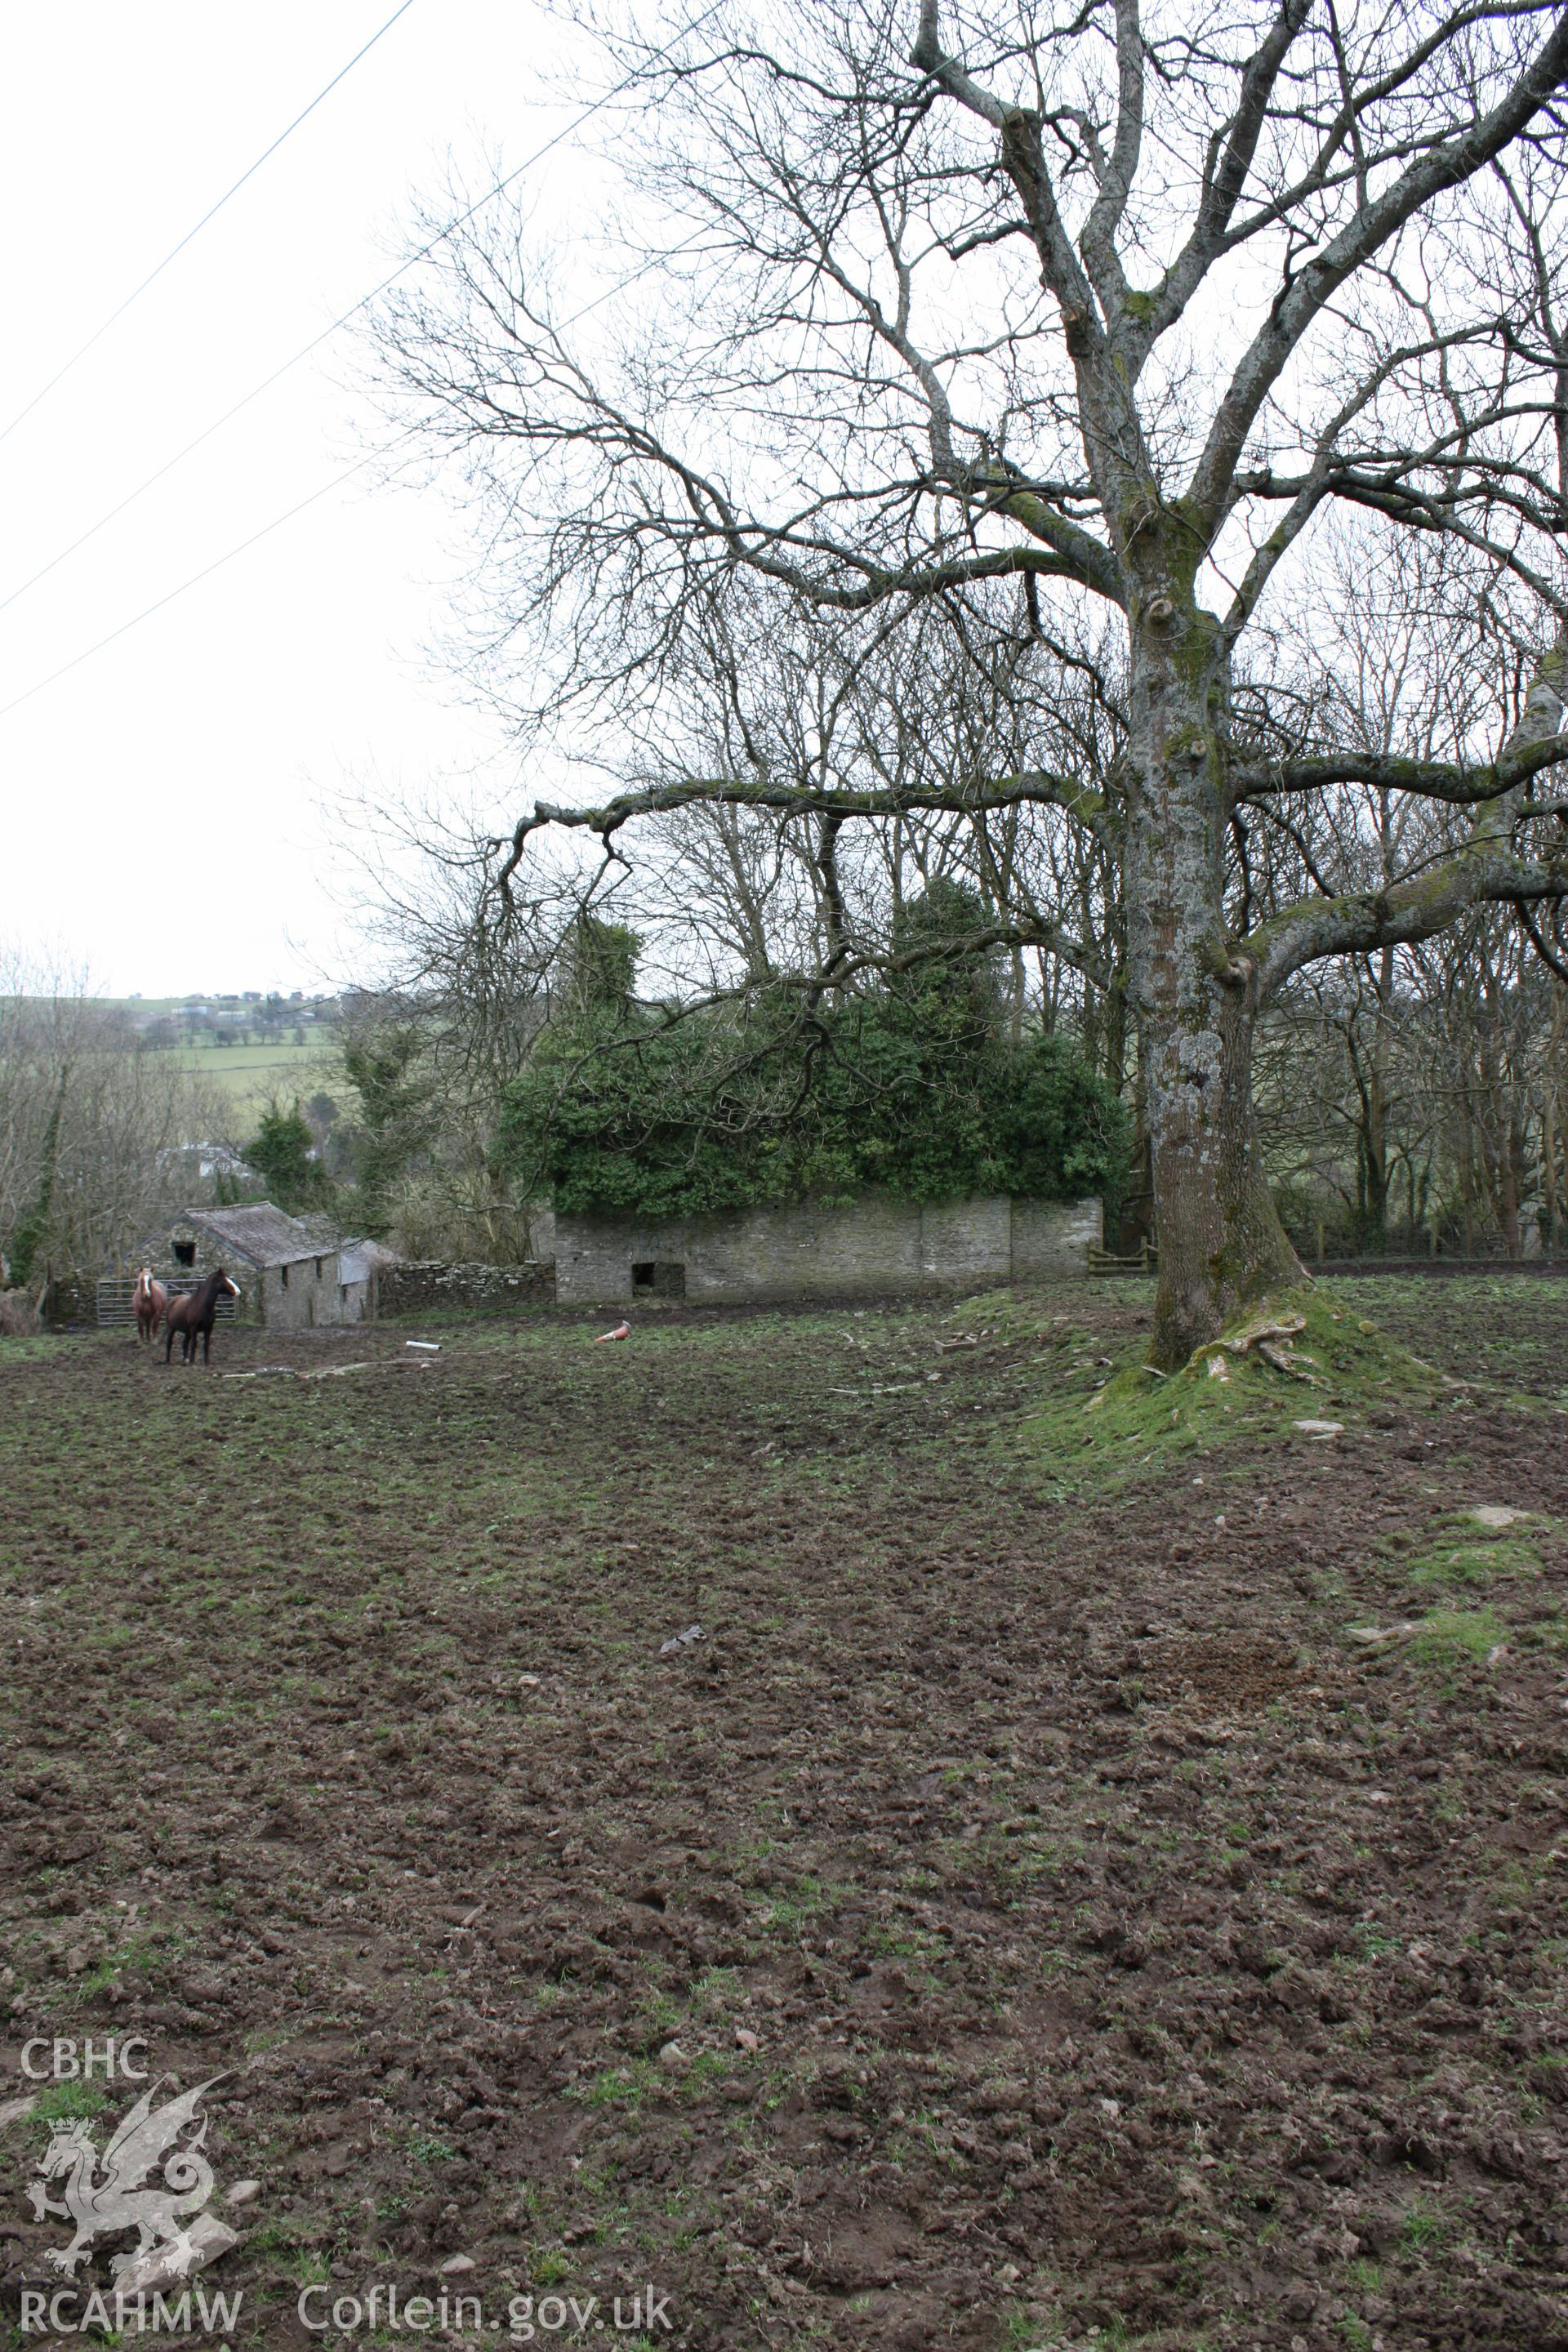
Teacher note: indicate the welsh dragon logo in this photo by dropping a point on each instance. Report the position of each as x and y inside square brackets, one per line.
[101, 2202]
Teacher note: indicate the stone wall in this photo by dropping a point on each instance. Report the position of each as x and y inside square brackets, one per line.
[73, 1299]
[876, 1245]
[206, 1251]
[1055, 1237]
[425, 1286]
[307, 1294]
[21, 1313]
[301, 1297]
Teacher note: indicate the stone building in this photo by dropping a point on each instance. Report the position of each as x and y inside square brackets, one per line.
[289, 1268]
[360, 1266]
[874, 1245]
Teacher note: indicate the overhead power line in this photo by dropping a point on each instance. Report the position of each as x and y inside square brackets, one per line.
[343, 319]
[211, 214]
[343, 475]
[185, 585]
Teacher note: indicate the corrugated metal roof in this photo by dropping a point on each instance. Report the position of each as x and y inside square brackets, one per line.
[357, 1261]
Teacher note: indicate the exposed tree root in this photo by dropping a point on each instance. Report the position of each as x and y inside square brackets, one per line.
[1266, 1337]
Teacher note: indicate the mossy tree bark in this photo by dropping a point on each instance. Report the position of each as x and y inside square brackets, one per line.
[1221, 1241]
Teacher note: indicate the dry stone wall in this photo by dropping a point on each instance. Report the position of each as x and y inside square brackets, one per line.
[427, 1287]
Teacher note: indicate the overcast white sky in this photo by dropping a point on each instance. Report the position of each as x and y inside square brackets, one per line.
[159, 803]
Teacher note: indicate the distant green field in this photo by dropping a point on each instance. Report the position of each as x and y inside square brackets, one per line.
[251, 1073]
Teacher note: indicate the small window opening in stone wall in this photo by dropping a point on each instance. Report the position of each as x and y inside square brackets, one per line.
[318, 1269]
[283, 1276]
[184, 1252]
[659, 1278]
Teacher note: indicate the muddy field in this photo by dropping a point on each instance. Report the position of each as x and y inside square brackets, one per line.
[1066, 1898]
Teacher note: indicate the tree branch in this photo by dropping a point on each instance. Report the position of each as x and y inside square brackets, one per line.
[1462, 786]
[1484, 872]
[1445, 165]
[1033, 787]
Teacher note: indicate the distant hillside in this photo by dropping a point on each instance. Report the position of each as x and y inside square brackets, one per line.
[253, 1043]
[224, 1023]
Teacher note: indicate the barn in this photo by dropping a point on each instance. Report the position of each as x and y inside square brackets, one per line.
[291, 1269]
[358, 1269]
[870, 1247]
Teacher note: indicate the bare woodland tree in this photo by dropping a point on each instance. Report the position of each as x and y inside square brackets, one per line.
[745, 890]
[1114, 305]
[1420, 1106]
[473, 995]
[93, 1130]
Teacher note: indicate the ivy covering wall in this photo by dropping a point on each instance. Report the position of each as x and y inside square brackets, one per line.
[911, 1087]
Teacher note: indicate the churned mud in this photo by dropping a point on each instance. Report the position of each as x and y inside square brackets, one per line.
[1063, 1899]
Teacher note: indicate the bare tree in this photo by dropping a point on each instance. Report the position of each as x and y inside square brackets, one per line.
[779, 885]
[94, 1128]
[1119, 304]
[473, 994]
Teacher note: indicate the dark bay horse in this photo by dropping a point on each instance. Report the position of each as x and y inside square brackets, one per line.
[192, 1315]
[151, 1301]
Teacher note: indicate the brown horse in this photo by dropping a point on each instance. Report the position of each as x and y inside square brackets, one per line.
[151, 1302]
[192, 1315]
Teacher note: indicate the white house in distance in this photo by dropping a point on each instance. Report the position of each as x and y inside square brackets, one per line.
[296, 1273]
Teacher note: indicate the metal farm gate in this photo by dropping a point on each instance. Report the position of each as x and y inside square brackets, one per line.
[115, 1295]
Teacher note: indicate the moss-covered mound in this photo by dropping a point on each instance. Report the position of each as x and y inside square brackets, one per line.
[1297, 1367]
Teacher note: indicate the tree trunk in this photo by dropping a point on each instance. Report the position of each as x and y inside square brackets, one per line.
[1510, 1188]
[1549, 1206]
[1221, 1242]
[1374, 1171]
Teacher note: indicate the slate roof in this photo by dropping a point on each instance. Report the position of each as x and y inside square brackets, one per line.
[321, 1228]
[263, 1235]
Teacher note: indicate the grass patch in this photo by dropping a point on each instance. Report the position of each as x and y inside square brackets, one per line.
[62, 2102]
[1422, 2230]
[629, 2084]
[1474, 1563]
[1457, 1637]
